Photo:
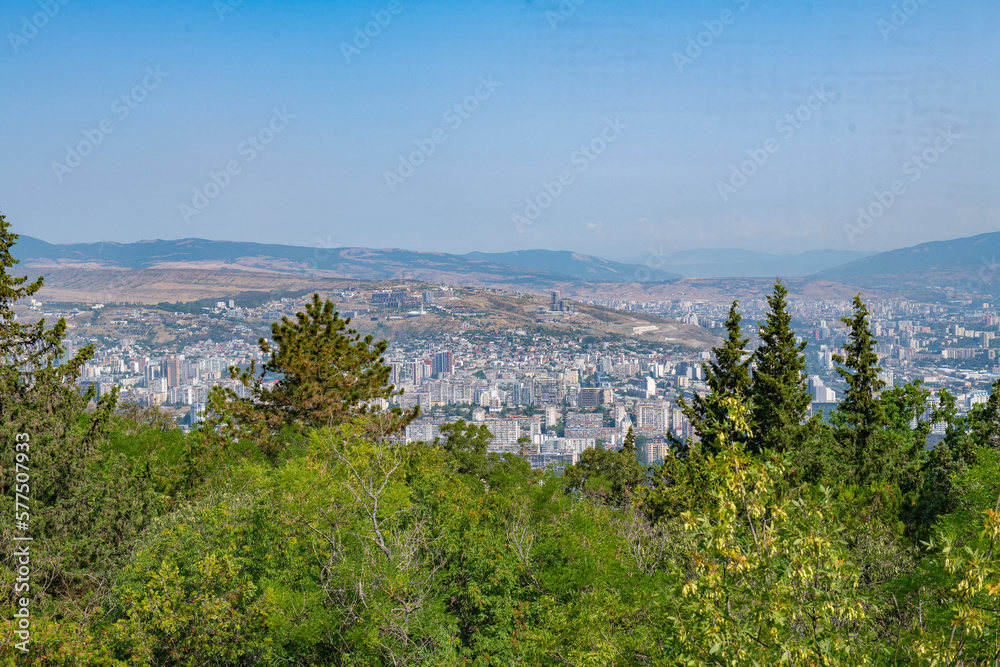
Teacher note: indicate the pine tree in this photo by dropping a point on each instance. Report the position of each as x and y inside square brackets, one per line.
[779, 392]
[860, 417]
[327, 375]
[727, 376]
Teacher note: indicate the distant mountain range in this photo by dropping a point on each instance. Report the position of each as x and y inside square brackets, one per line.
[535, 268]
[967, 265]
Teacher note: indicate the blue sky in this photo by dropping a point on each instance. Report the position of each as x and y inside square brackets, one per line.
[302, 124]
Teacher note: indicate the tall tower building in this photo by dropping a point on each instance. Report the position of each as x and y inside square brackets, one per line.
[443, 362]
[172, 371]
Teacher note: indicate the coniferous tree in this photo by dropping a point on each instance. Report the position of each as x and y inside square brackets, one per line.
[779, 393]
[79, 496]
[629, 444]
[727, 376]
[860, 417]
[327, 375]
[32, 383]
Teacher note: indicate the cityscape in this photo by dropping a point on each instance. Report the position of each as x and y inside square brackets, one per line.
[542, 396]
[535, 333]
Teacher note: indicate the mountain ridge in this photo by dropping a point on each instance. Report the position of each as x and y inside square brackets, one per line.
[967, 265]
[535, 266]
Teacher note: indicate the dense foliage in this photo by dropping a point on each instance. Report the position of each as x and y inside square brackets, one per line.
[292, 531]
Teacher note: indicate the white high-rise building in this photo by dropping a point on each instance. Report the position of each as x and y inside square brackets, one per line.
[820, 392]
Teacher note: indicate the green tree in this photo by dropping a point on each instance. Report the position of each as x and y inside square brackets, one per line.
[610, 475]
[860, 417]
[966, 437]
[204, 616]
[984, 422]
[682, 483]
[758, 573]
[727, 376]
[954, 596]
[86, 503]
[629, 444]
[371, 546]
[779, 395]
[197, 589]
[326, 374]
[905, 434]
[816, 456]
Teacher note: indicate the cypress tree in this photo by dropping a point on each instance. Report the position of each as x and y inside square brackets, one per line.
[628, 445]
[779, 391]
[860, 417]
[727, 376]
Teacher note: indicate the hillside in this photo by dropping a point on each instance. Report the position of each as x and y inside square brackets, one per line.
[454, 310]
[494, 312]
[966, 265]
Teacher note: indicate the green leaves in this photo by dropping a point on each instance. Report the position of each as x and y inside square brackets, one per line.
[87, 503]
[962, 576]
[334, 546]
[195, 596]
[612, 476]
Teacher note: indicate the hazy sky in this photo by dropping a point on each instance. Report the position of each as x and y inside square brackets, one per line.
[448, 123]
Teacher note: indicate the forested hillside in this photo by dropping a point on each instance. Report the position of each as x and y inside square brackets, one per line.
[289, 529]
